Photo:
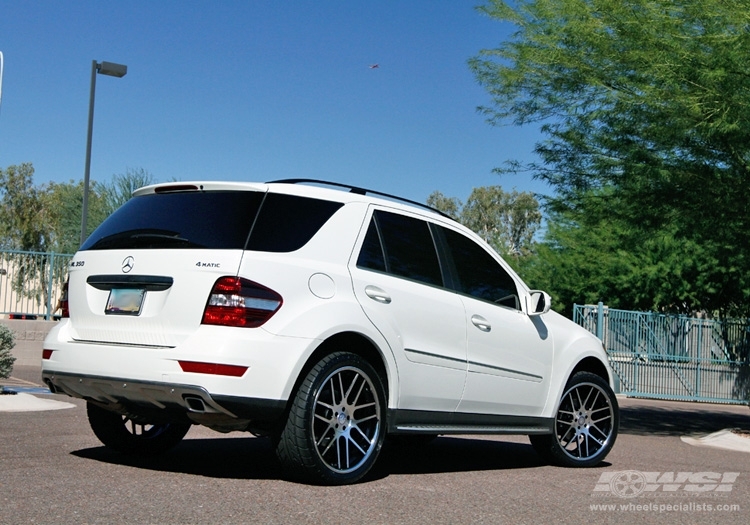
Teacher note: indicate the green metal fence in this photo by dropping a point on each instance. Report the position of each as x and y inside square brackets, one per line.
[31, 283]
[671, 356]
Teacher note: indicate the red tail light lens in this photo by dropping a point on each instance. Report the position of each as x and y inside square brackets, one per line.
[213, 368]
[240, 302]
[63, 302]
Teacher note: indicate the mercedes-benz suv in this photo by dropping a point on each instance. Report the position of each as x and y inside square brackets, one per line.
[323, 318]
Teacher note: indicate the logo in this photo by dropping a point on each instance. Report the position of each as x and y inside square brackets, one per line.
[633, 483]
[628, 484]
[127, 264]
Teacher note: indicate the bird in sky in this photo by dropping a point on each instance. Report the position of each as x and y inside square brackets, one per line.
[374, 66]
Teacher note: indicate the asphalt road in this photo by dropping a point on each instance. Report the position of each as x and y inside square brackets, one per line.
[53, 470]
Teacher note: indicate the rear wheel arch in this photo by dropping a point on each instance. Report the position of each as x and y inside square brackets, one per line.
[354, 343]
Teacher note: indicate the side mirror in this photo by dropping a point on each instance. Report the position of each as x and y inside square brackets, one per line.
[539, 302]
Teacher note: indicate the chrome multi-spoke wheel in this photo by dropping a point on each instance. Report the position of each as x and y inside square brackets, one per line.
[121, 433]
[336, 427]
[346, 426]
[585, 424]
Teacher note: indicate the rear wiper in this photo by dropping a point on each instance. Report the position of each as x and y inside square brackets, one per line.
[144, 238]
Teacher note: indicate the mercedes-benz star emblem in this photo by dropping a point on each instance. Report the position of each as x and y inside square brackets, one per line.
[128, 264]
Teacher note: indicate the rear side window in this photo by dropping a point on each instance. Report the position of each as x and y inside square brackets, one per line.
[401, 246]
[287, 222]
[213, 220]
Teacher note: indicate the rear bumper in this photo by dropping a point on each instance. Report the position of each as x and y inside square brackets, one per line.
[164, 402]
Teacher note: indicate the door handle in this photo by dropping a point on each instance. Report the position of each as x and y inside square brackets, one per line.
[375, 293]
[481, 323]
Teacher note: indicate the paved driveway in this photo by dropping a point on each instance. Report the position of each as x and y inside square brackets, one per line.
[53, 470]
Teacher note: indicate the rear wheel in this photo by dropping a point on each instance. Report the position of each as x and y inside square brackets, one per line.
[335, 428]
[123, 434]
[586, 424]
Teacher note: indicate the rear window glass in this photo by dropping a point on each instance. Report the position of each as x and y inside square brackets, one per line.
[219, 220]
[213, 220]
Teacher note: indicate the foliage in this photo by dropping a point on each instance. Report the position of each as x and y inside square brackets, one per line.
[645, 106]
[7, 343]
[118, 190]
[506, 221]
[22, 215]
[47, 218]
[585, 264]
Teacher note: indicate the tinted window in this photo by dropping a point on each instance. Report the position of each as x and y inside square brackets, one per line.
[479, 274]
[215, 220]
[371, 255]
[179, 220]
[287, 222]
[406, 245]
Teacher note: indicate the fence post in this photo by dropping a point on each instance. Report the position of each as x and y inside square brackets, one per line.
[600, 321]
[51, 273]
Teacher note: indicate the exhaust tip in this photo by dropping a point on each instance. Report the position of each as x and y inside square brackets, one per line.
[195, 404]
[51, 386]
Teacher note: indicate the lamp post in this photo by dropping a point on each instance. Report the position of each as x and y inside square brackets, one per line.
[1, 78]
[104, 68]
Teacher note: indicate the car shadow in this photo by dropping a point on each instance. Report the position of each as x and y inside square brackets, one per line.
[671, 421]
[254, 458]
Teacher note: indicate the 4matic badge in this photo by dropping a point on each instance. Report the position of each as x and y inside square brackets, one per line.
[200, 264]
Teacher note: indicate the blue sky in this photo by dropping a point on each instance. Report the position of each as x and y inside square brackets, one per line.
[257, 90]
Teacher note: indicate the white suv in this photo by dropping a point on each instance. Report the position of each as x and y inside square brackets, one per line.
[324, 319]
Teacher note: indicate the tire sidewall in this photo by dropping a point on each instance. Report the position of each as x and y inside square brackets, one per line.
[554, 449]
[314, 468]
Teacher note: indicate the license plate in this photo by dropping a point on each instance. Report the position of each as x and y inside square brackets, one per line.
[125, 301]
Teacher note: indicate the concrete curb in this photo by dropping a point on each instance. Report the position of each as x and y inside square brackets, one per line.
[28, 403]
[724, 439]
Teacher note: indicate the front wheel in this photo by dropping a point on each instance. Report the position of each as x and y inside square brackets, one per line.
[335, 428]
[123, 434]
[586, 424]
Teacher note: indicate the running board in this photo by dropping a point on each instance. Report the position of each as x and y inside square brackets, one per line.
[424, 422]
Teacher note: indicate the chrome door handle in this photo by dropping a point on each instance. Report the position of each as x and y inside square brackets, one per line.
[375, 293]
[481, 323]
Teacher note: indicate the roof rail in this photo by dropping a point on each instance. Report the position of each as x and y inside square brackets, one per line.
[360, 191]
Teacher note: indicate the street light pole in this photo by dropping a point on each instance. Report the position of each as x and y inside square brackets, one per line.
[1, 79]
[104, 68]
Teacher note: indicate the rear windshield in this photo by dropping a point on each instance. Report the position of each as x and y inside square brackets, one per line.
[213, 220]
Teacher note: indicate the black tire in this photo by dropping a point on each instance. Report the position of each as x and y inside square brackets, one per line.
[586, 424]
[336, 423]
[122, 434]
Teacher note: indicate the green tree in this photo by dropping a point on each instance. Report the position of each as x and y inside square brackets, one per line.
[121, 187]
[63, 203]
[22, 214]
[645, 109]
[47, 218]
[506, 221]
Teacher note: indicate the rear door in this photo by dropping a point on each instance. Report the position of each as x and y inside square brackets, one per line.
[144, 276]
[399, 283]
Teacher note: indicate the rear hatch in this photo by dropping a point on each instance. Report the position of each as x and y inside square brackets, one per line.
[145, 274]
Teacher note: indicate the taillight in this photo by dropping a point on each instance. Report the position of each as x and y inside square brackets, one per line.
[63, 302]
[239, 302]
[46, 353]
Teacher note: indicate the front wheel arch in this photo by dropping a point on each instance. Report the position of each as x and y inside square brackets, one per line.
[586, 423]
